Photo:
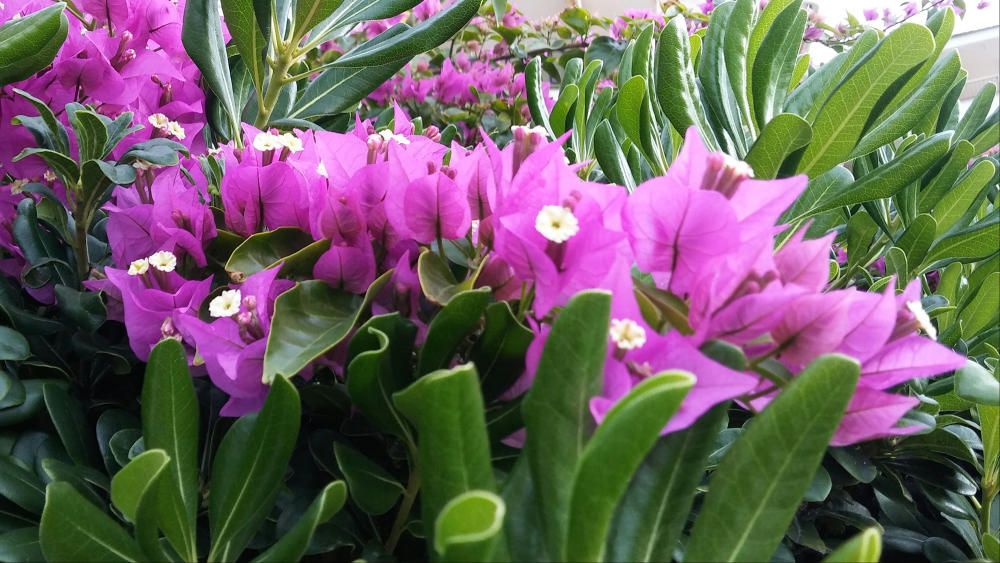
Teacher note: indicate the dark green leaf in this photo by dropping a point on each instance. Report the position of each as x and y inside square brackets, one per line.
[372, 488]
[13, 346]
[450, 327]
[202, 39]
[294, 543]
[676, 85]
[70, 421]
[975, 383]
[21, 546]
[292, 247]
[29, 44]
[73, 529]
[21, 486]
[781, 137]
[250, 41]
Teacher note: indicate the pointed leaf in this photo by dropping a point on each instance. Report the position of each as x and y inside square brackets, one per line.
[73, 529]
[293, 545]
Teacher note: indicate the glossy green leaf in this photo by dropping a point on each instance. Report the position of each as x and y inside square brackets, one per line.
[91, 133]
[830, 185]
[309, 13]
[371, 381]
[655, 508]
[914, 109]
[886, 181]
[556, 409]
[372, 488]
[917, 240]
[536, 99]
[841, 122]
[676, 85]
[71, 423]
[612, 456]
[170, 423]
[865, 547]
[13, 346]
[975, 383]
[134, 492]
[339, 89]
[420, 38]
[436, 279]
[469, 526]
[976, 113]
[249, 469]
[611, 158]
[959, 200]
[21, 545]
[561, 110]
[309, 320]
[775, 61]
[85, 309]
[765, 20]
[523, 526]
[450, 327]
[758, 487]
[294, 543]
[781, 137]
[20, 485]
[453, 449]
[713, 77]
[970, 244]
[292, 247]
[944, 180]
[499, 351]
[241, 22]
[983, 310]
[29, 44]
[202, 38]
[73, 529]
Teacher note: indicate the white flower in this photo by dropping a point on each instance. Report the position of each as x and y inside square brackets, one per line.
[922, 318]
[17, 186]
[557, 223]
[159, 121]
[390, 136]
[536, 130]
[321, 170]
[290, 142]
[738, 167]
[138, 267]
[49, 176]
[266, 142]
[176, 130]
[164, 261]
[142, 165]
[627, 334]
[225, 305]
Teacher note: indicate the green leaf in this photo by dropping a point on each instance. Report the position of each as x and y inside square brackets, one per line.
[20, 485]
[73, 529]
[944, 180]
[775, 61]
[293, 544]
[309, 320]
[249, 469]
[970, 244]
[828, 186]
[339, 89]
[51, 134]
[372, 379]
[558, 119]
[915, 109]
[63, 166]
[917, 240]
[13, 346]
[611, 158]
[961, 198]
[309, 13]
[450, 327]
[536, 99]
[886, 181]
[420, 38]
[523, 525]
[85, 309]
[983, 310]
[655, 509]
[447, 409]
[781, 137]
[372, 488]
[70, 421]
[676, 85]
[251, 43]
[290, 246]
[841, 121]
[469, 526]
[134, 491]
[91, 132]
[865, 547]
[202, 38]
[758, 487]
[976, 113]
[975, 383]
[170, 423]
[499, 351]
[21, 546]
[436, 279]
[29, 44]
[556, 409]
[613, 455]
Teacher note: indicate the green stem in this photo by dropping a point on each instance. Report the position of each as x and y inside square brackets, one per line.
[80, 248]
[278, 79]
[409, 497]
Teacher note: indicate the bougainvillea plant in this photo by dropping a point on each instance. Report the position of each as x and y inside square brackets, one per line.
[644, 289]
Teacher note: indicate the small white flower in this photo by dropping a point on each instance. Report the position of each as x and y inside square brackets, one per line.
[142, 165]
[17, 186]
[138, 267]
[557, 223]
[159, 121]
[536, 130]
[321, 170]
[225, 305]
[49, 176]
[176, 130]
[290, 142]
[627, 334]
[164, 261]
[922, 318]
[738, 167]
[390, 136]
[266, 142]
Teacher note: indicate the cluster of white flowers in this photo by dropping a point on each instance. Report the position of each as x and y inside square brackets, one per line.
[164, 261]
[267, 141]
[163, 123]
[627, 334]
